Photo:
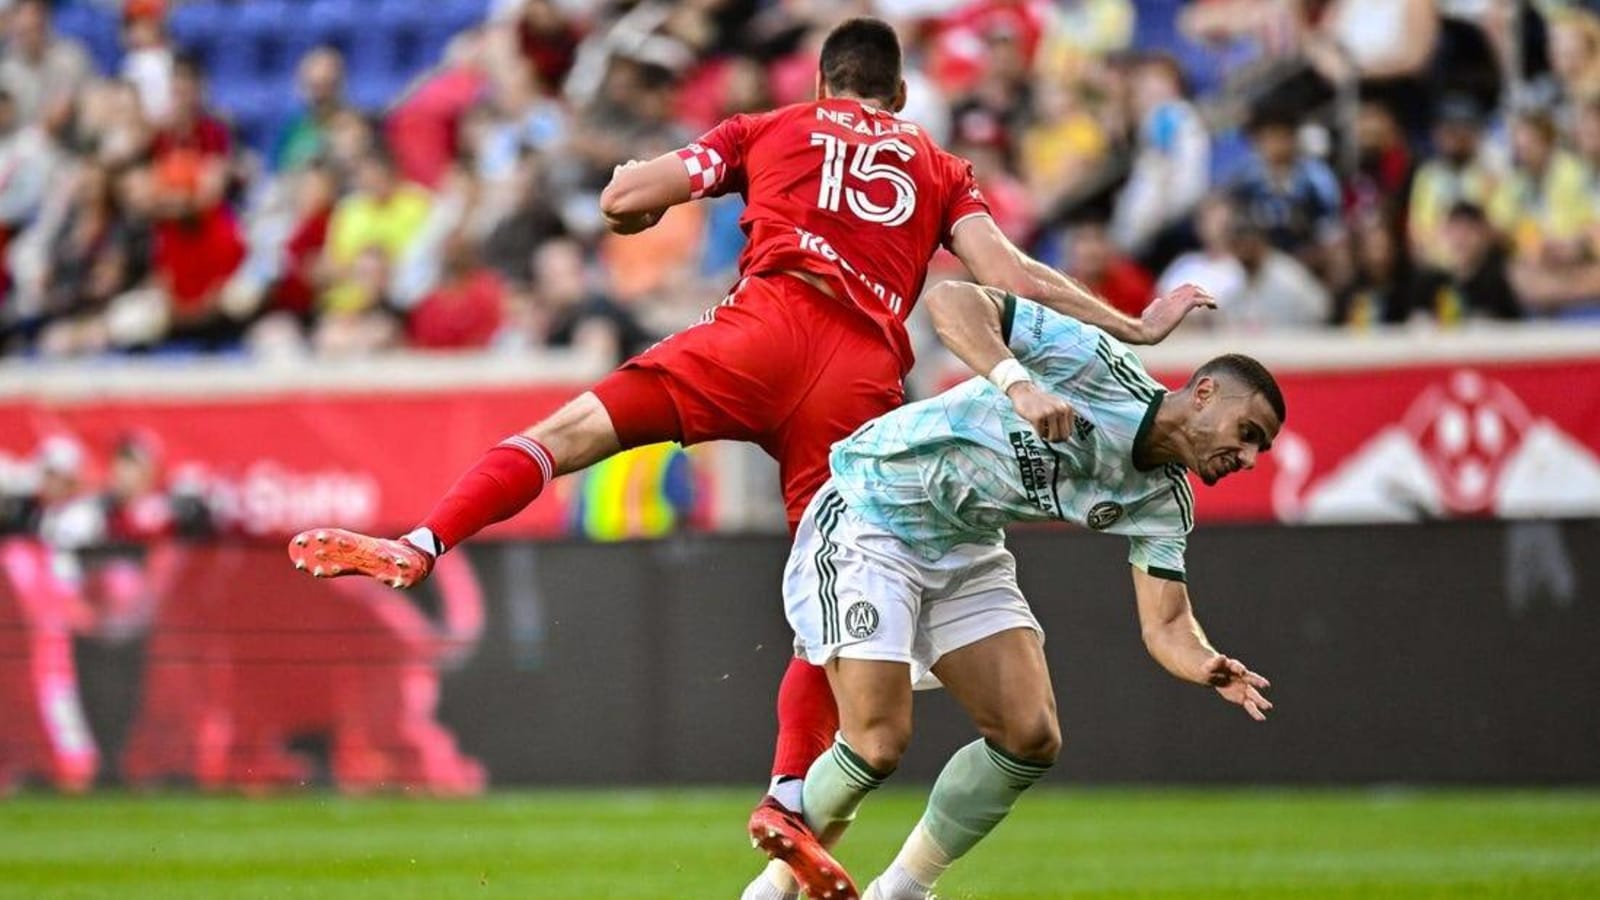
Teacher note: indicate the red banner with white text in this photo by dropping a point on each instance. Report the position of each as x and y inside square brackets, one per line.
[1514, 439]
[274, 464]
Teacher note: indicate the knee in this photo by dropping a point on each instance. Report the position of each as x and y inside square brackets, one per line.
[881, 744]
[1035, 737]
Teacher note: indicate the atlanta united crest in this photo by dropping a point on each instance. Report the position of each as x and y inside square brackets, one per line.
[861, 619]
[1103, 514]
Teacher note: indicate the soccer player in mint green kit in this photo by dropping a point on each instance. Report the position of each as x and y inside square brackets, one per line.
[900, 577]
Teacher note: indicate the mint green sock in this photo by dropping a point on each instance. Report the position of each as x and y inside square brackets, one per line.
[976, 790]
[835, 786]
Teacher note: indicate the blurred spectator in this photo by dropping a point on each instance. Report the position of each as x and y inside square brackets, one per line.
[198, 245]
[384, 214]
[574, 314]
[995, 112]
[29, 159]
[321, 83]
[294, 293]
[111, 124]
[1457, 172]
[1386, 44]
[464, 311]
[519, 118]
[1544, 204]
[964, 36]
[41, 71]
[1213, 266]
[424, 127]
[531, 221]
[1574, 47]
[1172, 166]
[194, 135]
[96, 253]
[1101, 267]
[1476, 284]
[1379, 291]
[1385, 164]
[1064, 147]
[1293, 195]
[1279, 292]
[361, 321]
[547, 40]
[631, 119]
[190, 125]
[1081, 32]
[350, 137]
[148, 60]
[1565, 279]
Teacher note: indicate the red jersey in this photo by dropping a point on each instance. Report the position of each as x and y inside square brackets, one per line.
[842, 190]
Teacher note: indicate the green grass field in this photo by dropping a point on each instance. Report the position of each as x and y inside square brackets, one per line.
[689, 844]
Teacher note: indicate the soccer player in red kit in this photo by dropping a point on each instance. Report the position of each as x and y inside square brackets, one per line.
[845, 206]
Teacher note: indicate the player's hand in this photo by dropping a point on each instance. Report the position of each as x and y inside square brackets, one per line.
[1049, 415]
[1169, 310]
[1237, 685]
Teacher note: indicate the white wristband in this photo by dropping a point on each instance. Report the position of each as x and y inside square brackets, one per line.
[1007, 373]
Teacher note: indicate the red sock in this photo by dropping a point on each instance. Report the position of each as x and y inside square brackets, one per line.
[503, 481]
[807, 719]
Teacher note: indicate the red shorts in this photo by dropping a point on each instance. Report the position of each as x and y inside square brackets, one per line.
[781, 365]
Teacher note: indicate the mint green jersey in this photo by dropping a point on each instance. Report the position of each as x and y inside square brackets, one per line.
[959, 467]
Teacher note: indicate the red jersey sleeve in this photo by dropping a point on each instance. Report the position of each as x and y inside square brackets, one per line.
[715, 162]
[965, 199]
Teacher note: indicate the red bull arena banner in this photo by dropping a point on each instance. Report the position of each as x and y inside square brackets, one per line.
[1499, 429]
[1395, 444]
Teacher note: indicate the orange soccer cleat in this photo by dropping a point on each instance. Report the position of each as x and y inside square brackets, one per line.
[782, 834]
[332, 552]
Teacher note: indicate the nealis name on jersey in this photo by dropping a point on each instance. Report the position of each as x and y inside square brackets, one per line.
[871, 127]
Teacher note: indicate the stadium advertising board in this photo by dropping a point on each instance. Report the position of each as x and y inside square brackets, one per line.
[1515, 439]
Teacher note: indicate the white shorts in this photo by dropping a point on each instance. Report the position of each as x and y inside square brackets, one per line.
[854, 591]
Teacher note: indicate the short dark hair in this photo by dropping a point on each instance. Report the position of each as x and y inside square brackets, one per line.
[862, 57]
[1251, 374]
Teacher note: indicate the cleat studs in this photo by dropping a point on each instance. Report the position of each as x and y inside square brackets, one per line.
[840, 885]
[300, 564]
[337, 569]
[788, 844]
[401, 562]
[772, 832]
[317, 572]
[300, 541]
[322, 537]
[398, 583]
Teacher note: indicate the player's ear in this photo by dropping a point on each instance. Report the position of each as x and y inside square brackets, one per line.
[1204, 389]
[899, 101]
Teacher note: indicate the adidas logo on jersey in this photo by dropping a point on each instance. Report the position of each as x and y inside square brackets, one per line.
[1082, 427]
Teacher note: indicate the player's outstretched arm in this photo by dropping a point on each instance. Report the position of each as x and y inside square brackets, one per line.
[993, 260]
[1175, 640]
[640, 192]
[966, 317]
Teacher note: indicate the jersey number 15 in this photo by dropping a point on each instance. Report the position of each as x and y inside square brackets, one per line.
[865, 167]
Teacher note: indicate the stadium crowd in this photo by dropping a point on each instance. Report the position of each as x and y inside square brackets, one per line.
[1317, 164]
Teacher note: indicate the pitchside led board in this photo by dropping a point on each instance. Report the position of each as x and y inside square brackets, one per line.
[1404, 428]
